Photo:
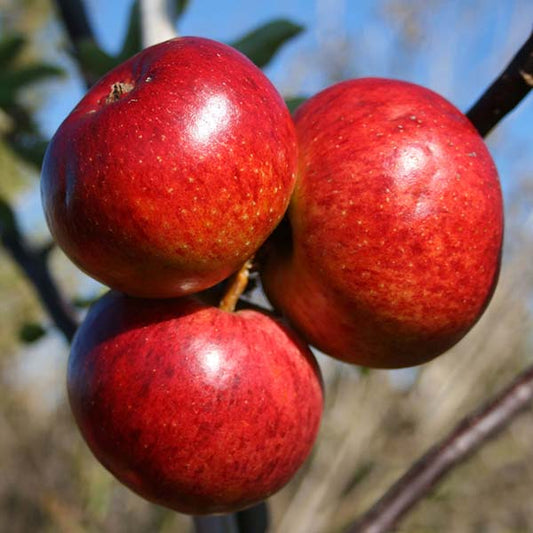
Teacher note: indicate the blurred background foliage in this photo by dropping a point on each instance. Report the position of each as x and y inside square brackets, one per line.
[376, 423]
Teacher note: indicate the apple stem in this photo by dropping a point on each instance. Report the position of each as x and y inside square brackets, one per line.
[236, 288]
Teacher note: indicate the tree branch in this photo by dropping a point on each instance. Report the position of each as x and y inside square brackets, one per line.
[216, 524]
[507, 91]
[34, 264]
[467, 437]
[78, 27]
[74, 16]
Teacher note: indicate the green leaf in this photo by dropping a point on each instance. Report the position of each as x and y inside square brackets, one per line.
[364, 371]
[82, 302]
[24, 122]
[10, 48]
[181, 6]
[31, 332]
[13, 80]
[31, 74]
[359, 475]
[133, 40]
[93, 59]
[8, 223]
[30, 148]
[294, 102]
[261, 44]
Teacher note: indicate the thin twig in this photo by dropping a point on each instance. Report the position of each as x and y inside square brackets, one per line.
[34, 264]
[506, 92]
[467, 437]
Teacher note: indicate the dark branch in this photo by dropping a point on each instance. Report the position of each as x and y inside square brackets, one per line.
[252, 520]
[468, 436]
[78, 28]
[255, 519]
[75, 18]
[34, 264]
[216, 524]
[506, 92]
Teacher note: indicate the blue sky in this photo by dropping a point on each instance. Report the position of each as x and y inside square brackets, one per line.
[464, 45]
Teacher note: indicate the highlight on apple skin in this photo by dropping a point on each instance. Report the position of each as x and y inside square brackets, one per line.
[396, 225]
[194, 408]
[172, 170]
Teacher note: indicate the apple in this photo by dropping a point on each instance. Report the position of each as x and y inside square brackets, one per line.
[194, 408]
[391, 251]
[172, 170]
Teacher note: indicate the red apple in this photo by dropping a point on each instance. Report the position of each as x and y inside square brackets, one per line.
[194, 408]
[396, 224]
[172, 170]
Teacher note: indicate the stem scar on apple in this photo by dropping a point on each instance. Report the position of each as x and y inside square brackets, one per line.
[117, 91]
[236, 287]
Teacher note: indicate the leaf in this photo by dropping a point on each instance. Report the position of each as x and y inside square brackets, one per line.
[261, 44]
[31, 332]
[8, 223]
[82, 302]
[31, 74]
[13, 80]
[10, 48]
[364, 371]
[358, 476]
[24, 122]
[133, 39]
[93, 59]
[30, 148]
[181, 6]
[294, 102]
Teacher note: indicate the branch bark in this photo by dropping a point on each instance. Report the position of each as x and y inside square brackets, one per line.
[467, 437]
[507, 91]
[216, 524]
[78, 28]
[34, 264]
[75, 18]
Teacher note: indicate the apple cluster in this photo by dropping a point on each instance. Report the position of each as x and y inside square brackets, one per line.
[376, 217]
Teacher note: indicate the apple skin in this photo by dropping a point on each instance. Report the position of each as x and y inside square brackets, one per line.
[167, 188]
[197, 409]
[395, 228]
